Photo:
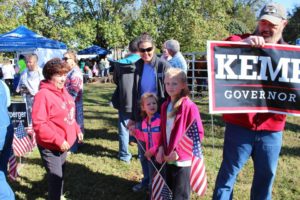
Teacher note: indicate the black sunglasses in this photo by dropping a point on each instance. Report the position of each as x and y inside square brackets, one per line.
[65, 58]
[146, 50]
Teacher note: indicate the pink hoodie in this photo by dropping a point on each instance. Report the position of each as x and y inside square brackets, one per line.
[187, 113]
[53, 117]
[154, 128]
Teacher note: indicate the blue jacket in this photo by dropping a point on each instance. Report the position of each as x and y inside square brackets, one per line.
[4, 103]
[123, 78]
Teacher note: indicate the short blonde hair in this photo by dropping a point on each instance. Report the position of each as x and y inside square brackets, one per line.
[145, 96]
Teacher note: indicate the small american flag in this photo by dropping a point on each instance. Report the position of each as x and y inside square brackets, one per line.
[160, 190]
[190, 143]
[31, 133]
[12, 166]
[21, 143]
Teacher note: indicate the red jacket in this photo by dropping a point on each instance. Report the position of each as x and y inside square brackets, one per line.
[255, 121]
[187, 112]
[53, 117]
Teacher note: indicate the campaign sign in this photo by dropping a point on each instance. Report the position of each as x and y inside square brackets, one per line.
[17, 113]
[245, 79]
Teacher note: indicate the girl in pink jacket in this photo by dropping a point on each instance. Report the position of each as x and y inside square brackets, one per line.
[177, 113]
[149, 132]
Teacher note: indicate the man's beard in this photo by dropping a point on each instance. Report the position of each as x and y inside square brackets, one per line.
[271, 37]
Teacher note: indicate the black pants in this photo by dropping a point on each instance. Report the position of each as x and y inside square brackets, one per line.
[6, 151]
[178, 179]
[54, 162]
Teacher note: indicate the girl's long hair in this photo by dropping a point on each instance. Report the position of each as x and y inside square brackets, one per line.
[180, 76]
[143, 98]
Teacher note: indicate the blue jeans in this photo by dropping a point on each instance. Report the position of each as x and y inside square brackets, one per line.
[144, 162]
[124, 153]
[239, 144]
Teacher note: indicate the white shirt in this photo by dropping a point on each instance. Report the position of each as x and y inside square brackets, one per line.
[170, 123]
[8, 71]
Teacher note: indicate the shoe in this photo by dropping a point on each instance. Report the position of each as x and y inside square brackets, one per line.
[139, 187]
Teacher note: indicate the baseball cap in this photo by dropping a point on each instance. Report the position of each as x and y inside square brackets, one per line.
[273, 13]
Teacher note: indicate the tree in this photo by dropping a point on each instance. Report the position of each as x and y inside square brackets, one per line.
[12, 14]
[291, 32]
[105, 16]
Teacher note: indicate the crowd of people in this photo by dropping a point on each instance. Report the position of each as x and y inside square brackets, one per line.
[154, 111]
[96, 67]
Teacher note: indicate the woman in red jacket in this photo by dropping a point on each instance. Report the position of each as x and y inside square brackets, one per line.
[53, 116]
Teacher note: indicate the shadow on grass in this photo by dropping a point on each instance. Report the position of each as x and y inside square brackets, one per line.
[100, 134]
[80, 184]
[292, 127]
[97, 150]
[290, 151]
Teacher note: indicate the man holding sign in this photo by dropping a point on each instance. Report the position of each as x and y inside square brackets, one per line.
[256, 135]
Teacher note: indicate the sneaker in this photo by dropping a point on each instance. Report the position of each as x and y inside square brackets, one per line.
[138, 187]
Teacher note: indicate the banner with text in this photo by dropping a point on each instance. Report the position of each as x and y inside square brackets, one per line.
[18, 113]
[243, 79]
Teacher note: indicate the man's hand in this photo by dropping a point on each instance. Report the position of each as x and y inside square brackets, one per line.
[255, 41]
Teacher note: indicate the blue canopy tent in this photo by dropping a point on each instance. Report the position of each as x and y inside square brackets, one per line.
[94, 50]
[23, 41]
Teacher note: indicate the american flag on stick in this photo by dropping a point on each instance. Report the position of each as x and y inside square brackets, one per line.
[160, 189]
[21, 143]
[191, 144]
[12, 166]
[31, 133]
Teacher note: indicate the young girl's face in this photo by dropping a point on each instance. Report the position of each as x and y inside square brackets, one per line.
[173, 86]
[150, 106]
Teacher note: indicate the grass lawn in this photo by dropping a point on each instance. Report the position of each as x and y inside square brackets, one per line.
[95, 173]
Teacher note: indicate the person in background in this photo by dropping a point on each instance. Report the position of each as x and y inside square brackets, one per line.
[29, 82]
[165, 54]
[107, 66]
[102, 67]
[177, 60]
[148, 77]
[74, 85]
[256, 135]
[87, 75]
[8, 74]
[81, 64]
[6, 138]
[95, 68]
[122, 98]
[21, 63]
[54, 123]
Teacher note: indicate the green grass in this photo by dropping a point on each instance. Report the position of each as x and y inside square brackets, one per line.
[95, 173]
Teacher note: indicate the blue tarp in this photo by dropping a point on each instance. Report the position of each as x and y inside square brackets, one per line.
[94, 50]
[22, 38]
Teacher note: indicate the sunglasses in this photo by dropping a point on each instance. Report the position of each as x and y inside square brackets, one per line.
[65, 58]
[146, 50]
